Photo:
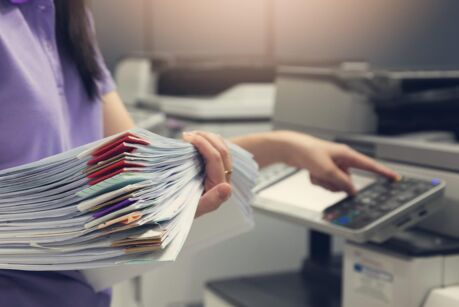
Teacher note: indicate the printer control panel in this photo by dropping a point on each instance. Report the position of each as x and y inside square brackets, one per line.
[377, 200]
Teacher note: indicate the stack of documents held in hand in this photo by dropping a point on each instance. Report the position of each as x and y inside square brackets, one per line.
[125, 199]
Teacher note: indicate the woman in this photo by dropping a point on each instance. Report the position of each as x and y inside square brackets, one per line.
[56, 94]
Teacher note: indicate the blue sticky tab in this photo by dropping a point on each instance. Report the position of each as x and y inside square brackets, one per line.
[436, 181]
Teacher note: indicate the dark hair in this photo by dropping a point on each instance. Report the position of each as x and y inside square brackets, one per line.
[75, 37]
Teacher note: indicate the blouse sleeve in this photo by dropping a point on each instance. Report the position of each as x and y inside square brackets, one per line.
[106, 84]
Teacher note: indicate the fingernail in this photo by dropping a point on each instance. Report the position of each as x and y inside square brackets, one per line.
[187, 134]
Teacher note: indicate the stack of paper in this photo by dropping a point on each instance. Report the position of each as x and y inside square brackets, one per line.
[124, 199]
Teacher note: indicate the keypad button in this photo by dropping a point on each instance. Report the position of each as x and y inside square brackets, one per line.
[405, 197]
[342, 220]
[389, 206]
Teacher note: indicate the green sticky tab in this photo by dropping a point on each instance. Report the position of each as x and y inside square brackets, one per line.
[113, 183]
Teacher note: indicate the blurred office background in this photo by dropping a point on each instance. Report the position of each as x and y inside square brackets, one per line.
[396, 33]
[390, 33]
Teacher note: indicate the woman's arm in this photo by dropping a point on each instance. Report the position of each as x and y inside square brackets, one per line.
[267, 147]
[116, 117]
[328, 163]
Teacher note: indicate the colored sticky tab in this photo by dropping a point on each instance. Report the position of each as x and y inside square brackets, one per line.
[100, 201]
[117, 206]
[121, 148]
[111, 202]
[125, 138]
[436, 181]
[113, 183]
[107, 169]
[125, 219]
[141, 249]
[109, 175]
[93, 168]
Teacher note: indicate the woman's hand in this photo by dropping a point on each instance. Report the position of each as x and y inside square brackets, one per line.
[328, 163]
[217, 156]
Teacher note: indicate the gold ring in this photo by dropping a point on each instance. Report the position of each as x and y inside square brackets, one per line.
[228, 172]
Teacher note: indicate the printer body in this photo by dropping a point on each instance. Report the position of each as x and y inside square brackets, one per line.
[417, 268]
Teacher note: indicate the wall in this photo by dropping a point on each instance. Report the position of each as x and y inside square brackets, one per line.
[208, 27]
[119, 27]
[410, 33]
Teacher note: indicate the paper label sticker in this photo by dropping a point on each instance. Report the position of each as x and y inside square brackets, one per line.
[373, 277]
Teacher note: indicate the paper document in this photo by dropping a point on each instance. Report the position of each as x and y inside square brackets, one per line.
[127, 199]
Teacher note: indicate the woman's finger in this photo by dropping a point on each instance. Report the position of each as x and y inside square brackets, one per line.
[361, 161]
[213, 199]
[219, 143]
[215, 172]
[344, 182]
[324, 184]
[339, 179]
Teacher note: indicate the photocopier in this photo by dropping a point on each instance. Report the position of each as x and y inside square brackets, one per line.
[404, 252]
[418, 267]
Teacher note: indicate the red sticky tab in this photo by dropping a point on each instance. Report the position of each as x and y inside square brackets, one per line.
[111, 153]
[125, 138]
[100, 179]
[116, 141]
[112, 167]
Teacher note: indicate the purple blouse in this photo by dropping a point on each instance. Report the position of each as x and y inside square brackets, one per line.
[44, 110]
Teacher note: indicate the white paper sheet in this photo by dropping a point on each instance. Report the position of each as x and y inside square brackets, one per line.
[47, 217]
